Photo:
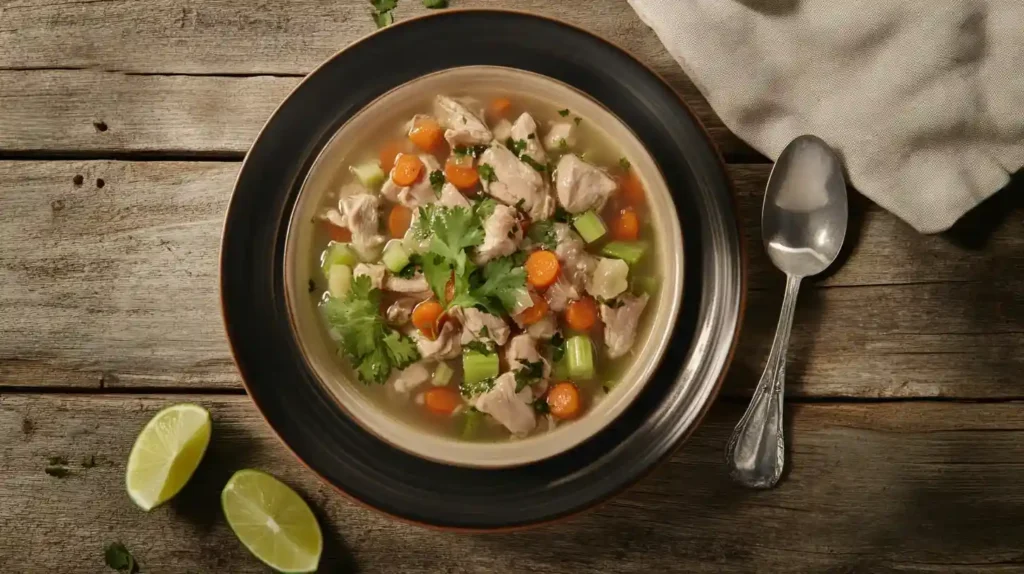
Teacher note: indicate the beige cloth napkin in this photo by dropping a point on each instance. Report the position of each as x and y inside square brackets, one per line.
[924, 99]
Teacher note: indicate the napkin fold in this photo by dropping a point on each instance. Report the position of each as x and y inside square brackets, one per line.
[923, 99]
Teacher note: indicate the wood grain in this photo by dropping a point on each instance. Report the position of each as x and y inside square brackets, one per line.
[117, 287]
[908, 487]
[215, 38]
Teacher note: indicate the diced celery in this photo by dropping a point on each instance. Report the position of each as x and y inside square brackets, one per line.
[338, 254]
[395, 256]
[477, 367]
[629, 251]
[369, 174]
[645, 284]
[442, 375]
[580, 354]
[590, 226]
[610, 278]
[339, 280]
[471, 423]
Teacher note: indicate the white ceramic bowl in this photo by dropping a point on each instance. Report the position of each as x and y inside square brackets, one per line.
[320, 351]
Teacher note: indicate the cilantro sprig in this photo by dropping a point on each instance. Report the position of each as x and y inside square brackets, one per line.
[373, 348]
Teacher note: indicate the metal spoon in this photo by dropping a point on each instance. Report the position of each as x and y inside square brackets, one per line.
[803, 223]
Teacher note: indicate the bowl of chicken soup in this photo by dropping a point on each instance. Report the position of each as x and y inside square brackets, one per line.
[483, 275]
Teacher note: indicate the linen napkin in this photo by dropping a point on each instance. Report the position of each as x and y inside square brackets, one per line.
[923, 99]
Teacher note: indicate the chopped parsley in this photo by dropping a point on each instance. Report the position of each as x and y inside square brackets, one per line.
[414, 265]
[624, 163]
[543, 233]
[557, 344]
[437, 181]
[540, 406]
[564, 112]
[534, 163]
[528, 373]
[372, 346]
[478, 347]
[475, 151]
[517, 146]
[487, 173]
[119, 558]
[470, 390]
[561, 215]
[563, 146]
[435, 4]
[578, 120]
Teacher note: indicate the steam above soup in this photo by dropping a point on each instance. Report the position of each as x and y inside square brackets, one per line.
[488, 268]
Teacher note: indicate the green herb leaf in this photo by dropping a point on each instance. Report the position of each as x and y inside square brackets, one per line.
[557, 344]
[438, 272]
[564, 112]
[373, 348]
[470, 390]
[563, 146]
[561, 215]
[383, 19]
[435, 4]
[454, 229]
[624, 163]
[540, 406]
[502, 281]
[478, 347]
[437, 181]
[578, 120]
[119, 558]
[529, 373]
[543, 233]
[516, 146]
[487, 173]
[384, 5]
[414, 265]
[534, 163]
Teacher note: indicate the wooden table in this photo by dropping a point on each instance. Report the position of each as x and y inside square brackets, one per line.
[122, 124]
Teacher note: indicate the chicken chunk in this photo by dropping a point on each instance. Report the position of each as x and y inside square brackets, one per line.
[416, 284]
[446, 346]
[560, 294]
[577, 264]
[502, 234]
[544, 329]
[581, 186]
[610, 278]
[516, 183]
[410, 377]
[620, 324]
[417, 194]
[400, 311]
[452, 197]
[359, 214]
[511, 409]
[478, 325]
[522, 349]
[561, 136]
[502, 130]
[374, 272]
[462, 127]
[525, 129]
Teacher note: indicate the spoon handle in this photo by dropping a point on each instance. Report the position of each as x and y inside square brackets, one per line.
[755, 453]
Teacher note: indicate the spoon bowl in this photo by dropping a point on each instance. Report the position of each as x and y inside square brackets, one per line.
[803, 224]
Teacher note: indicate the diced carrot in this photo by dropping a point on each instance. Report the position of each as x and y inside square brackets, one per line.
[442, 400]
[399, 220]
[542, 268]
[463, 177]
[388, 153]
[500, 107]
[424, 317]
[632, 189]
[340, 234]
[535, 313]
[564, 400]
[581, 315]
[408, 169]
[426, 134]
[626, 226]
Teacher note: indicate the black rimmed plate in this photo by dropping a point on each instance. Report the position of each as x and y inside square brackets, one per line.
[304, 413]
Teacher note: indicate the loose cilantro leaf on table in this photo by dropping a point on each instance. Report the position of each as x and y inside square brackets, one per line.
[530, 372]
[435, 4]
[543, 233]
[486, 172]
[373, 347]
[119, 558]
[382, 12]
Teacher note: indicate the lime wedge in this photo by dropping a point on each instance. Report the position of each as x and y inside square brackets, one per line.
[272, 521]
[166, 453]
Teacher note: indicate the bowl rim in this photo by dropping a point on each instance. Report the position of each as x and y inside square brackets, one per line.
[669, 238]
[732, 224]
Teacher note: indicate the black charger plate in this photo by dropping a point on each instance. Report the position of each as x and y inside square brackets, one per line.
[305, 415]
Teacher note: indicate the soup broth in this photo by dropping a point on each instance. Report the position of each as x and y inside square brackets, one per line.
[487, 260]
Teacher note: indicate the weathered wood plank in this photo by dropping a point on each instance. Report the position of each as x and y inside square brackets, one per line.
[119, 284]
[230, 37]
[872, 488]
